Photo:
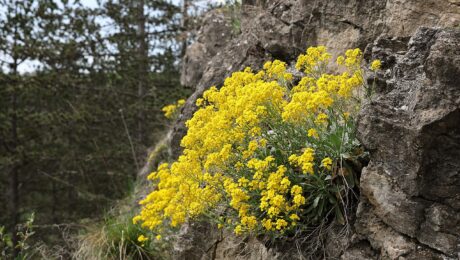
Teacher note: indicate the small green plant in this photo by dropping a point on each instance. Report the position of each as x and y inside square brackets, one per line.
[22, 247]
[233, 10]
[171, 111]
[118, 238]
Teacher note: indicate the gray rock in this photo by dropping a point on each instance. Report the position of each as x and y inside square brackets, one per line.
[195, 241]
[412, 132]
[215, 32]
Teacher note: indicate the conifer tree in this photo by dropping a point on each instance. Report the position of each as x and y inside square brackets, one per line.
[80, 89]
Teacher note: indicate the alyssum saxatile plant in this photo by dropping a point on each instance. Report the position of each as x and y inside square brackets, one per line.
[265, 155]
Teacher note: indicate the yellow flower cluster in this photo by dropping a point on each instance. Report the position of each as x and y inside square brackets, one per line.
[276, 70]
[305, 161]
[327, 163]
[235, 152]
[178, 194]
[317, 91]
[142, 238]
[314, 61]
[375, 65]
[170, 110]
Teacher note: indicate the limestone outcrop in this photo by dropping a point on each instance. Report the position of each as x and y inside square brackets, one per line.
[410, 192]
[411, 128]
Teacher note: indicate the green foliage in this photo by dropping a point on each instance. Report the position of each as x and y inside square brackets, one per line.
[24, 232]
[118, 238]
[233, 7]
[74, 129]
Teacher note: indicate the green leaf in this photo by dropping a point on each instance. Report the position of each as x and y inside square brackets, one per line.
[321, 207]
[332, 199]
[315, 202]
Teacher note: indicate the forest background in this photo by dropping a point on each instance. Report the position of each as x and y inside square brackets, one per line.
[82, 84]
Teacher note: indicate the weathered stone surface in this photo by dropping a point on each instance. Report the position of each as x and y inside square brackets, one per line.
[241, 248]
[412, 131]
[359, 251]
[202, 241]
[213, 36]
[410, 192]
[195, 241]
[391, 203]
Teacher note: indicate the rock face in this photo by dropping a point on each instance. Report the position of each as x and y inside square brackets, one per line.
[214, 34]
[283, 29]
[411, 187]
[410, 191]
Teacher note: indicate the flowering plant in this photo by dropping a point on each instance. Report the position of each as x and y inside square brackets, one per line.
[170, 111]
[265, 154]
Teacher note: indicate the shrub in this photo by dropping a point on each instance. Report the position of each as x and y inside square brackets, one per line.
[118, 238]
[171, 111]
[265, 154]
[23, 233]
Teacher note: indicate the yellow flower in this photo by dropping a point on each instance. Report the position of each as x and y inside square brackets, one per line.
[313, 133]
[169, 110]
[305, 161]
[142, 238]
[199, 102]
[321, 119]
[340, 60]
[313, 59]
[238, 230]
[294, 217]
[281, 223]
[354, 58]
[299, 200]
[243, 182]
[136, 219]
[293, 159]
[327, 163]
[250, 222]
[273, 211]
[263, 142]
[296, 189]
[277, 70]
[375, 65]
[158, 237]
[267, 224]
[180, 102]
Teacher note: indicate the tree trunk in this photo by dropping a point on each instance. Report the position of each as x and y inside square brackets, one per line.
[184, 27]
[14, 176]
[142, 73]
